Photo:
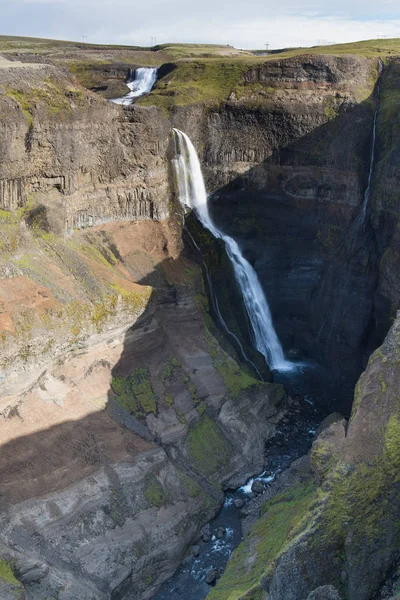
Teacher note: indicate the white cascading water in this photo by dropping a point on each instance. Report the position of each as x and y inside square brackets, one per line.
[142, 83]
[192, 194]
[372, 159]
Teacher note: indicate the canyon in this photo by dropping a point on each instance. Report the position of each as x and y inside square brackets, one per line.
[126, 410]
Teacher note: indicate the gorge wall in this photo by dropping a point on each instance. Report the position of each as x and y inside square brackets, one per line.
[288, 156]
[122, 416]
[124, 411]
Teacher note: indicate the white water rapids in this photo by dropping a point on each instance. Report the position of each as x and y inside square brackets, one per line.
[142, 83]
[192, 194]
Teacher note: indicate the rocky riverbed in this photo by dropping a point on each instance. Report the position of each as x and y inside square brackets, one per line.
[207, 557]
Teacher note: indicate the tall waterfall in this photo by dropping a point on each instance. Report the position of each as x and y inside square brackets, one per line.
[141, 83]
[373, 145]
[192, 193]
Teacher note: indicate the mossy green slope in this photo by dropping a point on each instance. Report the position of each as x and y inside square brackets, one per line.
[284, 518]
[342, 527]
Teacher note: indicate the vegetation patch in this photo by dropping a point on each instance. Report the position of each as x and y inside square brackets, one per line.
[196, 81]
[207, 446]
[135, 393]
[235, 378]
[358, 496]
[172, 364]
[190, 485]
[284, 518]
[154, 493]
[7, 574]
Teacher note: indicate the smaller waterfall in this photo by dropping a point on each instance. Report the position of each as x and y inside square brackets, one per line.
[192, 194]
[141, 83]
[372, 159]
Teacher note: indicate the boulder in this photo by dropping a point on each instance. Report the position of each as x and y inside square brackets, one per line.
[195, 550]
[211, 576]
[325, 592]
[257, 487]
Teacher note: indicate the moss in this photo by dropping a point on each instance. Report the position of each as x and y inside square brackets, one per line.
[171, 365]
[180, 416]
[331, 109]
[135, 301]
[358, 392]
[235, 378]
[10, 232]
[168, 399]
[190, 485]
[196, 81]
[247, 90]
[322, 458]
[284, 518]
[331, 237]
[154, 493]
[116, 509]
[54, 100]
[357, 494]
[24, 101]
[382, 383]
[135, 393]
[7, 574]
[207, 446]
[201, 408]
[100, 314]
[193, 391]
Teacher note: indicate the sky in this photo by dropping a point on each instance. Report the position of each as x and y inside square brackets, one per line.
[241, 23]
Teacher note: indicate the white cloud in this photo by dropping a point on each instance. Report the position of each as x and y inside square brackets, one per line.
[243, 24]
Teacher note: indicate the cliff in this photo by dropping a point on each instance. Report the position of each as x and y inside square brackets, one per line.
[333, 533]
[125, 411]
[81, 158]
[289, 153]
[122, 415]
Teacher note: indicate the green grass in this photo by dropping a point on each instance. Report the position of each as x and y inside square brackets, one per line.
[154, 493]
[135, 393]
[171, 365]
[284, 517]
[207, 446]
[57, 102]
[197, 81]
[7, 574]
[357, 499]
[190, 486]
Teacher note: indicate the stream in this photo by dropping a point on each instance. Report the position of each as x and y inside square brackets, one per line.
[309, 388]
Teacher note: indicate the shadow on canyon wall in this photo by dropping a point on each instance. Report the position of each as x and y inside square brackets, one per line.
[296, 217]
[293, 215]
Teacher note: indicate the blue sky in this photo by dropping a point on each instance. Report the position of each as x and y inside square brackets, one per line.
[244, 24]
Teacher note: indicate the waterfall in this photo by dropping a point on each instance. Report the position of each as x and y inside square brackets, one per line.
[372, 159]
[141, 83]
[192, 194]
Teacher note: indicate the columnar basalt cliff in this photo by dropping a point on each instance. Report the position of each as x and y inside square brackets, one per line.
[290, 154]
[124, 411]
[86, 160]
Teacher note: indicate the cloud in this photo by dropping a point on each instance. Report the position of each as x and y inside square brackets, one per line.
[243, 24]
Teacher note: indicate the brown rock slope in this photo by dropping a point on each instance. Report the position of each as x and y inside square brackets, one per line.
[121, 415]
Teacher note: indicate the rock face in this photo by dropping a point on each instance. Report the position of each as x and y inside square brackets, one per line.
[85, 160]
[117, 440]
[122, 417]
[341, 537]
[288, 156]
[124, 413]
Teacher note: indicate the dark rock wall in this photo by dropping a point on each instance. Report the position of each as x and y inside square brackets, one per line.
[287, 159]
